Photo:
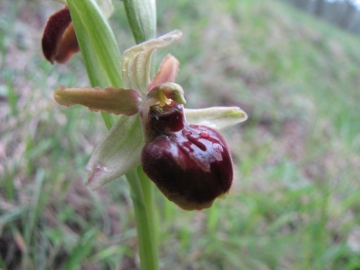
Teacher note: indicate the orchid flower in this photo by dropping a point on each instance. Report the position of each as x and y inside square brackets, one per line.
[181, 150]
[59, 40]
[120, 152]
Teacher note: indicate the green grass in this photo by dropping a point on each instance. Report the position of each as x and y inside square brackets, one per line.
[295, 201]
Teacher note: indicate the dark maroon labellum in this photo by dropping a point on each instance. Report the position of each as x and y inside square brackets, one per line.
[190, 164]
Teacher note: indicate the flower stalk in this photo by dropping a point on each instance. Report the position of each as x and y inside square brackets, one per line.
[142, 19]
[142, 195]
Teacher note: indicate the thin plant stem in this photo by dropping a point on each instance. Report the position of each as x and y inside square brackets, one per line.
[142, 196]
[108, 120]
[141, 15]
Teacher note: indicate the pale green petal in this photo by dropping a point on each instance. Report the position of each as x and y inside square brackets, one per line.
[118, 153]
[216, 117]
[136, 62]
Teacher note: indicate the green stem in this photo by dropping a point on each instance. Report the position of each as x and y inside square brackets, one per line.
[108, 120]
[142, 197]
[141, 15]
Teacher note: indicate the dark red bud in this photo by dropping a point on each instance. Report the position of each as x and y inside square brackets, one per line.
[190, 164]
[59, 40]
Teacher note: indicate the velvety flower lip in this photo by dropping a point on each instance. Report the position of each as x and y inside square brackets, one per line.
[190, 164]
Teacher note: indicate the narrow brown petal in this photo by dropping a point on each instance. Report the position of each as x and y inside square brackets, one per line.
[53, 33]
[167, 72]
[110, 99]
[68, 45]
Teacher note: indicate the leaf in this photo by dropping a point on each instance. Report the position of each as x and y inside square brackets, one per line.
[97, 43]
[167, 72]
[118, 153]
[110, 99]
[136, 62]
[141, 16]
[216, 117]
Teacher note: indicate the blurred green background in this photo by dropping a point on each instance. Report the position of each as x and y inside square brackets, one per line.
[295, 203]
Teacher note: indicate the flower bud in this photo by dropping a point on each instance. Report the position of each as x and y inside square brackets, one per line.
[190, 164]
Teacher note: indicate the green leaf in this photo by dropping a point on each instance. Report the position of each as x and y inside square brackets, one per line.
[216, 117]
[97, 43]
[136, 62]
[142, 18]
[118, 153]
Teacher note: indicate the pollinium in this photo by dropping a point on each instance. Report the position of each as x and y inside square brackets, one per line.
[190, 164]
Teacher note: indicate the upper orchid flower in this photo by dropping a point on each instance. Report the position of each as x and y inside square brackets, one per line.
[59, 40]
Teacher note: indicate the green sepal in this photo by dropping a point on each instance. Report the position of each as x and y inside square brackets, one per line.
[118, 153]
